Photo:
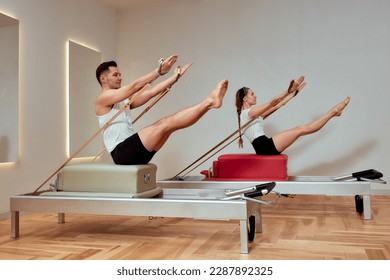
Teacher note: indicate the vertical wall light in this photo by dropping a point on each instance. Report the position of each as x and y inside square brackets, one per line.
[82, 90]
[9, 91]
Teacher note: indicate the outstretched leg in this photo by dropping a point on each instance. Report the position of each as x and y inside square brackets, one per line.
[284, 139]
[154, 137]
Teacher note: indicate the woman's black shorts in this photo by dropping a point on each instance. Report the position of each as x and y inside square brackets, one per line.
[131, 151]
[264, 146]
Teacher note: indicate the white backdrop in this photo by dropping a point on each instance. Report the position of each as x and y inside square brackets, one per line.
[342, 48]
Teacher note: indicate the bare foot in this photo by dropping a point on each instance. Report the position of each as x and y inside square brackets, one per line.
[216, 96]
[338, 109]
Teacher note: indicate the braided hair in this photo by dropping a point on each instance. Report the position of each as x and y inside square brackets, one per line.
[240, 94]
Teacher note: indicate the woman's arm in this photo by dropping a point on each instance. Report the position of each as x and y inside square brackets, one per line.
[260, 110]
[284, 97]
[279, 102]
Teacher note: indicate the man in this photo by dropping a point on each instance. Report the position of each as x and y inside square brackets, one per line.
[124, 144]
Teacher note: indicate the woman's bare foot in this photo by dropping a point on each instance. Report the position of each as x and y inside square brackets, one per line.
[338, 109]
[216, 96]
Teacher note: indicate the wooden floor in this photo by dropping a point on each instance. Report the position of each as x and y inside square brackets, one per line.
[303, 228]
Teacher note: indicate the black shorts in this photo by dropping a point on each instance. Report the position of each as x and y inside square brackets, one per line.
[131, 151]
[264, 146]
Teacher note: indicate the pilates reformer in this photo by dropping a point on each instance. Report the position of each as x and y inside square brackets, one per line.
[89, 189]
[84, 188]
[248, 169]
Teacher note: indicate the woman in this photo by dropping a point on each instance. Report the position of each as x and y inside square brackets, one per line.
[251, 119]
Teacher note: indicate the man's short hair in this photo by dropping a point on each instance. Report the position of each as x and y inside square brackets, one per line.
[103, 67]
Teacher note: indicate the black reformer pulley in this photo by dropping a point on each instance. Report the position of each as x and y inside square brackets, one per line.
[369, 175]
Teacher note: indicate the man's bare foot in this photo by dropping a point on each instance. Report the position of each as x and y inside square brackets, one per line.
[338, 109]
[217, 94]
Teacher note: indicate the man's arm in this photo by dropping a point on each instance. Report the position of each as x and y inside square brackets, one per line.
[160, 87]
[112, 96]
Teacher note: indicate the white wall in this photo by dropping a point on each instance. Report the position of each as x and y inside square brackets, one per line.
[45, 28]
[342, 47]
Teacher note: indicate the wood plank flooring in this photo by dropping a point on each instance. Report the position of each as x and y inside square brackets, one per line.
[302, 228]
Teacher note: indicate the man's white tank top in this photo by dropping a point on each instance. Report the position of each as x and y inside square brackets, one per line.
[120, 128]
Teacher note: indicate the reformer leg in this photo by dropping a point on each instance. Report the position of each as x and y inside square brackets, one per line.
[359, 204]
[254, 209]
[366, 207]
[363, 205]
[14, 224]
[61, 218]
[252, 228]
[244, 236]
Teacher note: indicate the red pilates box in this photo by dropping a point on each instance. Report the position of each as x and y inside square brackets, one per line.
[245, 167]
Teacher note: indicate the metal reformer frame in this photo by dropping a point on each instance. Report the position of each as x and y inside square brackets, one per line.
[190, 197]
[348, 185]
[209, 204]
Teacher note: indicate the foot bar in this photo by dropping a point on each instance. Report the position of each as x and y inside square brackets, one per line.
[262, 188]
[370, 175]
[252, 193]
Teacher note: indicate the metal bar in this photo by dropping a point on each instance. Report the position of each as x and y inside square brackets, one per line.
[183, 208]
